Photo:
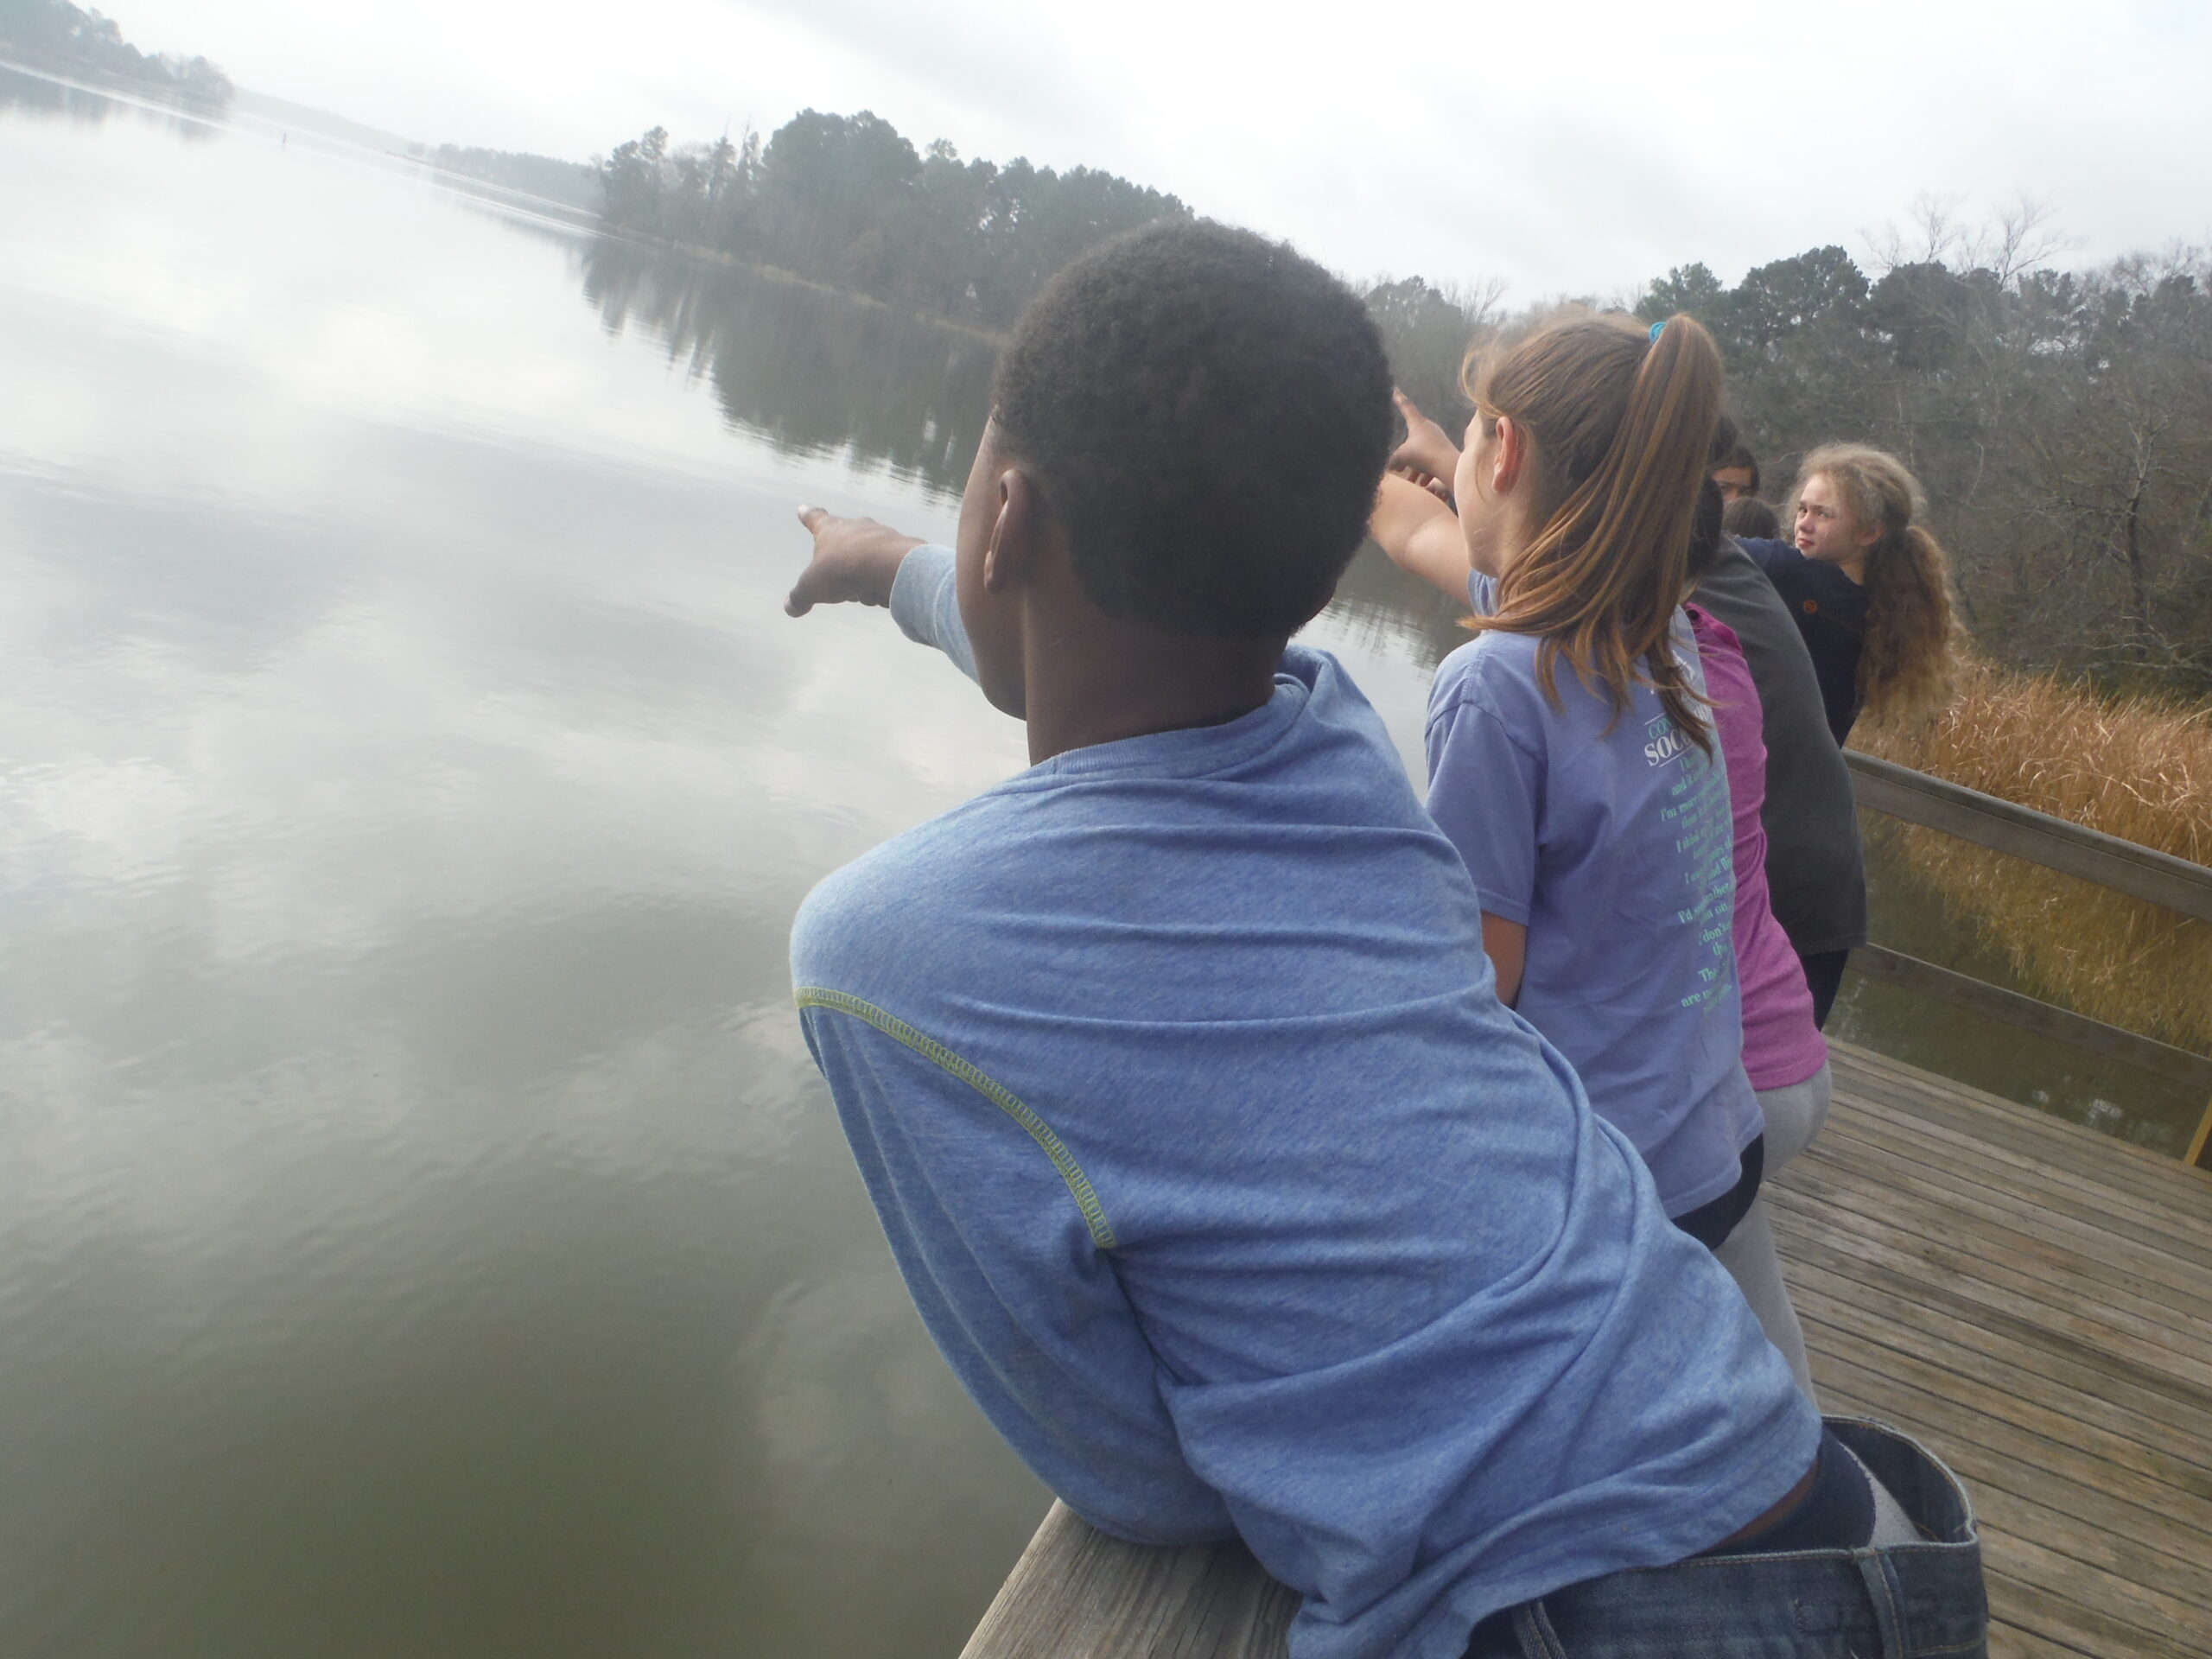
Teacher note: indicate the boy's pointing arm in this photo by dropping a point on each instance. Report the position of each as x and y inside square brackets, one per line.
[857, 560]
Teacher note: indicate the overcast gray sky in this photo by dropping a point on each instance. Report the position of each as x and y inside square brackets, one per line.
[1579, 147]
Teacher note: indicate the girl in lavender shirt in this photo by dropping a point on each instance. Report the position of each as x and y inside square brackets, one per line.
[1571, 759]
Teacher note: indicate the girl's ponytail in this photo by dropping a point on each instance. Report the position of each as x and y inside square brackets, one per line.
[1622, 425]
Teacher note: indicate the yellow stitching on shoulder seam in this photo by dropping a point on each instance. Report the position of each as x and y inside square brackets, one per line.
[1079, 1184]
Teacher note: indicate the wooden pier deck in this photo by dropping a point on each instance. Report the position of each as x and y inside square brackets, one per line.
[2032, 1300]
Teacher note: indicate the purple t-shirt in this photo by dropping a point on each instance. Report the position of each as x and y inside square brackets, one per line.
[1781, 1045]
[1608, 836]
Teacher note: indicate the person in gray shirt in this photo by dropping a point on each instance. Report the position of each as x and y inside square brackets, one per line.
[1817, 876]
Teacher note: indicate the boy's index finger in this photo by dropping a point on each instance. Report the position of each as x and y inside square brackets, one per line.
[798, 602]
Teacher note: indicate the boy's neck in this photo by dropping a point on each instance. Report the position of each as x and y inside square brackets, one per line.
[1098, 684]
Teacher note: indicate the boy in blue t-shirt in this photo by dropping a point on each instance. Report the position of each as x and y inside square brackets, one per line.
[1175, 1071]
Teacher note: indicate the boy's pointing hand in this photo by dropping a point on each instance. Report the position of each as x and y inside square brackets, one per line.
[856, 561]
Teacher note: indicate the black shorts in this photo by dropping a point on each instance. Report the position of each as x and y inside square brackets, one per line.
[1711, 1223]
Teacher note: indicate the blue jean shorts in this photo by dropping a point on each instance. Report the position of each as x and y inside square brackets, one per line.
[1909, 1601]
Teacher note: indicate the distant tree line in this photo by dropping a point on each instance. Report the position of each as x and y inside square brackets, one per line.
[55, 36]
[572, 184]
[849, 200]
[2060, 421]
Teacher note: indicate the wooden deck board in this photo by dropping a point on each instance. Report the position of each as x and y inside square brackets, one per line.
[1997, 1364]
[2039, 1402]
[1920, 1142]
[2094, 1317]
[1939, 1279]
[2038, 1136]
[2030, 1299]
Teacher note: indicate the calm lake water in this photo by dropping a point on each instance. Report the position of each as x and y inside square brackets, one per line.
[422, 1230]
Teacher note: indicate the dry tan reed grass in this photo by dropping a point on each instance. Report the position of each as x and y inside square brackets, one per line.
[2132, 767]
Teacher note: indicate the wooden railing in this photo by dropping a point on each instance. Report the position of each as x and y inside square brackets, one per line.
[1077, 1593]
[2105, 860]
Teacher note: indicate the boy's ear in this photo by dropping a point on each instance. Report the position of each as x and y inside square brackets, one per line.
[1017, 526]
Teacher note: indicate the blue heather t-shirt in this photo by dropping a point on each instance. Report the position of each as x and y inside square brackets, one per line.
[1237, 1201]
[1608, 836]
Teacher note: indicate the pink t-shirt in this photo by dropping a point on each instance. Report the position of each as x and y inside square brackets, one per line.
[1781, 1045]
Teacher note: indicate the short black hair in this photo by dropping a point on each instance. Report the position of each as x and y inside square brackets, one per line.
[1706, 519]
[1706, 516]
[1748, 516]
[1208, 413]
[1737, 455]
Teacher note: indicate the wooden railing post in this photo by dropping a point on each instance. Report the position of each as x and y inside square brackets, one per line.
[2070, 848]
[2194, 1156]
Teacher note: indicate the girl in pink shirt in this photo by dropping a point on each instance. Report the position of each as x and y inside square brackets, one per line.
[1783, 1051]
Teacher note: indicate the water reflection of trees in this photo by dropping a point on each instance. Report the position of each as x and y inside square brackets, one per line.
[1381, 608]
[39, 95]
[58, 38]
[814, 372]
[811, 371]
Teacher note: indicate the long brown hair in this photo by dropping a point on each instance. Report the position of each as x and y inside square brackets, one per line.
[1906, 663]
[1621, 424]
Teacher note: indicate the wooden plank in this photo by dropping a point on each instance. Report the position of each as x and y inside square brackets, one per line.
[2152, 1410]
[2165, 1581]
[1953, 1097]
[2000, 1179]
[1986, 1117]
[2159, 1179]
[1852, 1365]
[1993, 1353]
[2152, 1287]
[1077, 1593]
[2149, 1243]
[2030, 1170]
[2142, 1618]
[2011, 1138]
[2105, 1612]
[1915, 1277]
[2145, 1243]
[1919, 1208]
[2059, 1616]
[1938, 1295]
[2029, 1181]
[2009, 1640]
[1930, 1273]
[1978, 996]
[1886, 1354]
[1986, 1450]
[2102, 1532]
[2183, 1292]
[2004, 827]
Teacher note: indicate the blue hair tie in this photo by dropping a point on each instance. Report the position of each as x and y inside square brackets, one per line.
[1655, 328]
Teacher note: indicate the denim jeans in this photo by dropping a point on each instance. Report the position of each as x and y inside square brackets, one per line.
[1912, 1601]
